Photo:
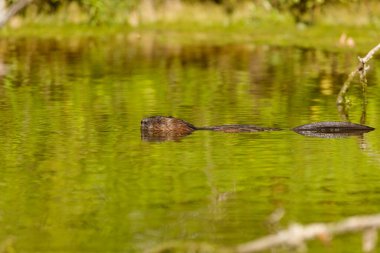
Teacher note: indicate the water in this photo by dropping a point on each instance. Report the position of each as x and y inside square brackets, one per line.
[75, 175]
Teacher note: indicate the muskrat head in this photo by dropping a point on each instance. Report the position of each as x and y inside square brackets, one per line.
[161, 126]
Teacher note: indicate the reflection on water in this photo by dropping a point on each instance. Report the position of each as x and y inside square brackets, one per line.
[358, 133]
[75, 175]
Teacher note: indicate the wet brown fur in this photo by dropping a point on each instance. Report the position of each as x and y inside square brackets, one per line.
[166, 126]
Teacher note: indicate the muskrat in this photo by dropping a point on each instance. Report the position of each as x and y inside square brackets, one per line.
[160, 125]
[170, 127]
[166, 128]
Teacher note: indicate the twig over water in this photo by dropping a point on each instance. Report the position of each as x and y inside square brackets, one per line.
[361, 69]
[296, 235]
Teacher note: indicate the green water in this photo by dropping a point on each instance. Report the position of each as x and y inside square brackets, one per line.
[75, 175]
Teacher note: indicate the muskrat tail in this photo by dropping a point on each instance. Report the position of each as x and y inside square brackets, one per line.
[205, 128]
[190, 125]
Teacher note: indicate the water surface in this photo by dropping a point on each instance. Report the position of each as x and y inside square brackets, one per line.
[75, 175]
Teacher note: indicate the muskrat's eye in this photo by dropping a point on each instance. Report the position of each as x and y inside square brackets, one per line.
[143, 122]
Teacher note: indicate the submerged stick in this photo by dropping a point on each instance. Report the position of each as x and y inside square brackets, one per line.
[296, 235]
[362, 69]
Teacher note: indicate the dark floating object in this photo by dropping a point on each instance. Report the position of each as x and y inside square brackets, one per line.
[162, 128]
[332, 129]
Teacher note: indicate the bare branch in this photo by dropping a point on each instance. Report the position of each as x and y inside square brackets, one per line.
[346, 85]
[296, 235]
[370, 54]
[362, 69]
[16, 7]
[369, 239]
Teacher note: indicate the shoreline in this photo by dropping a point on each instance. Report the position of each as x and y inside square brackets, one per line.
[319, 37]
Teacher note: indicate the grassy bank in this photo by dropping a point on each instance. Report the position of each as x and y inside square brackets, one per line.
[339, 27]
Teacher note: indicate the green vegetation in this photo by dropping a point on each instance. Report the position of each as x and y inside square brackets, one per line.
[307, 23]
[137, 12]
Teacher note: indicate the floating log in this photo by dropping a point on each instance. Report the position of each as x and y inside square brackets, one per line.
[332, 129]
